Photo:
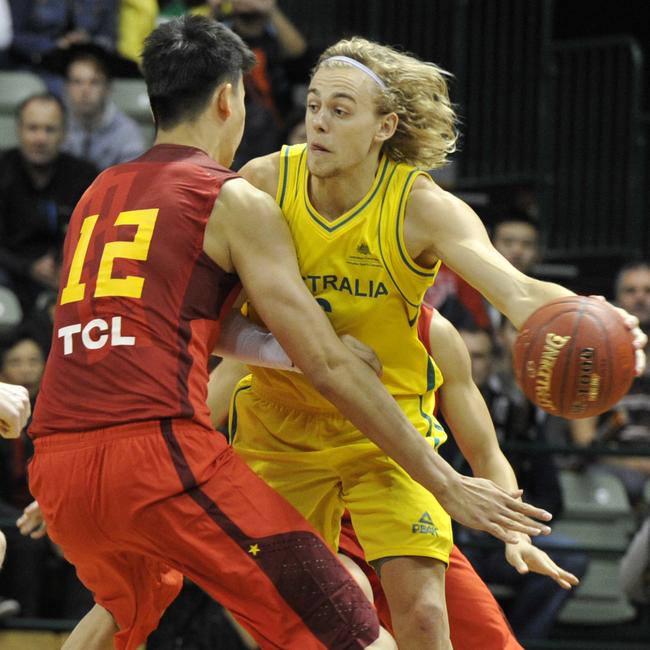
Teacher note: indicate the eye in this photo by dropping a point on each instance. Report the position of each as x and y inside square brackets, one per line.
[339, 112]
[312, 107]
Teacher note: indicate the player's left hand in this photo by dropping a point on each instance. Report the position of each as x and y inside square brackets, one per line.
[365, 353]
[31, 522]
[640, 339]
[526, 557]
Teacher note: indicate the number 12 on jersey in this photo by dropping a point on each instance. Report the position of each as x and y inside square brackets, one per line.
[137, 249]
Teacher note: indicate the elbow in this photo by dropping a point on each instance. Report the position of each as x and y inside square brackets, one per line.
[325, 374]
[323, 379]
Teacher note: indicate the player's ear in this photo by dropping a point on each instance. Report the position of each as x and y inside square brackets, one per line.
[222, 100]
[387, 126]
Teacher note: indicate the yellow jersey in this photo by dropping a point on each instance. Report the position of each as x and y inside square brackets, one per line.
[357, 268]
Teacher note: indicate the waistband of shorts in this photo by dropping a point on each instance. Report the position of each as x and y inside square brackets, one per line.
[263, 392]
[266, 394]
[94, 437]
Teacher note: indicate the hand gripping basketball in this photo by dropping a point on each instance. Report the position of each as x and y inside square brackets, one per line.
[575, 357]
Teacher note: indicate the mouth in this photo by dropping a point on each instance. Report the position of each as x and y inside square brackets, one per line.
[318, 148]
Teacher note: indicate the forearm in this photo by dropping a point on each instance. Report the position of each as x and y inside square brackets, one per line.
[495, 466]
[514, 294]
[539, 293]
[251, 344]
[356, 391]
[292, 42]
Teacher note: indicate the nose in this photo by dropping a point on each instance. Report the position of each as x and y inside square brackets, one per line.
[318, 120]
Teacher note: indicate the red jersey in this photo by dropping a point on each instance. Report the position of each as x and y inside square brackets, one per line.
[139, 308]
[424, 323]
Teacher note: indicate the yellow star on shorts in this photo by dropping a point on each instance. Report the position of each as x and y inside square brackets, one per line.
[254, 549]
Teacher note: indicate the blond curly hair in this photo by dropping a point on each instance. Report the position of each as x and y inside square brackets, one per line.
[416, 91]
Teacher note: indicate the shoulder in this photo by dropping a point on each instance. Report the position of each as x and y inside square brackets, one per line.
[263, 173]
[242, 199]
[9, 157]
[428, 199]
[8, 163]
[77, 167]
[124, 122]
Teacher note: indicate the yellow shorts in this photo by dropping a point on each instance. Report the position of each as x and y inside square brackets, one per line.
[322, 465]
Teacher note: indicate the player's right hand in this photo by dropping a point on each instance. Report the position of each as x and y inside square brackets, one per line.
[31, 521]
[481, 504]
[15, 409]
[525, 557]
[365, 353]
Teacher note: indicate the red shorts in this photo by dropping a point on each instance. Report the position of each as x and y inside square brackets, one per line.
[476, 622]
[136, 507]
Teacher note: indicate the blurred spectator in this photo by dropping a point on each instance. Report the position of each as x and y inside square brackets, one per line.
[97, 130]
[516, 235]
[36, 575]
[6, 33]
[275, 40]
[295, 131]
[634, 571]
[40, 323]
[43, 29]
[11, 314]
[21, 362]
[136, 20]
[39, 187]
[628, 423]
[538, 601]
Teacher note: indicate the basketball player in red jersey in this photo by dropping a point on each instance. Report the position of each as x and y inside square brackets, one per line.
[134, 484]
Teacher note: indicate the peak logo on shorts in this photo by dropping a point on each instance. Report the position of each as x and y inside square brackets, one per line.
[425, 526]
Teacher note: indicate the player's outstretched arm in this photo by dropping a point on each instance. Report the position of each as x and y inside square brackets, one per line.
[14, 409]
[248, 234]
[468, 416]
[438, 225]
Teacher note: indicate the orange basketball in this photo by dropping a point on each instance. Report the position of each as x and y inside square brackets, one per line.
[574, 357]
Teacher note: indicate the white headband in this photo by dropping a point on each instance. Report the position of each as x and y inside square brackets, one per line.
[359, 66]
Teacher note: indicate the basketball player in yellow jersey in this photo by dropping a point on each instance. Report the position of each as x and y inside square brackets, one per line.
[370, 229]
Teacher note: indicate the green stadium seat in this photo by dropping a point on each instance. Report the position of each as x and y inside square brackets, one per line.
[15, 86]
[598, 600]
[593, 496]
[8, 135]
[130, 95]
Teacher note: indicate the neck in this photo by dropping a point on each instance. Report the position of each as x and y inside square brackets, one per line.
[335, 195]
[90, 122]
[197, 135]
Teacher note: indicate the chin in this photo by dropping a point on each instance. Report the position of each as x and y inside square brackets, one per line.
[320, 169]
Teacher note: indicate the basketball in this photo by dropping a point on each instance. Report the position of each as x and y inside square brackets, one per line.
[574, 357]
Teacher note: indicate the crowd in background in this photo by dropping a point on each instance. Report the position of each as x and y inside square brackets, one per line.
[73, 129]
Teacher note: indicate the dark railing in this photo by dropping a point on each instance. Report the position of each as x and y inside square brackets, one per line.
[562, 118]
[597, 154]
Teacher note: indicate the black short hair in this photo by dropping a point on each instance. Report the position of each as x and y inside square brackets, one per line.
[94, 58]
[637, 264]
[184, 60]
[511, 214]
[13, 337]
[41, 97]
